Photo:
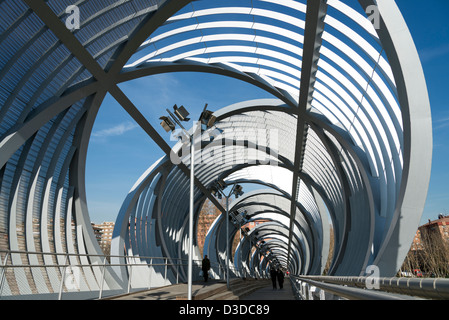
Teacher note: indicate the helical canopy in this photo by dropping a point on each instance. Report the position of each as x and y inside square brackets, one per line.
[344, 143]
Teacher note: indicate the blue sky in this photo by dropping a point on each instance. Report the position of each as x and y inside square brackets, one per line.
[428, 24]
[120, 151]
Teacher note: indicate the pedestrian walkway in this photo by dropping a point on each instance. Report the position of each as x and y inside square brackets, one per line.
[268, 293]
[211, 290]
[175, 292]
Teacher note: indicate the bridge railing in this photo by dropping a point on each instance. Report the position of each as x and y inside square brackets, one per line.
[44, 275]
[369, 288]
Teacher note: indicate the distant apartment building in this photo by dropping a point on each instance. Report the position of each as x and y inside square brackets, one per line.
[429, 253]
[434, 231]
[417, 242]
[103, 233]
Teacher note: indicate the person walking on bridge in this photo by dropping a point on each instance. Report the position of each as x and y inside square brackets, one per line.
[280, 278]
[273, 275]
[205, 266]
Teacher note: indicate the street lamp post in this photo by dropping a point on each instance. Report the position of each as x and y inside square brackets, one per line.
[168, 123]
[192, 182]
[237, 191]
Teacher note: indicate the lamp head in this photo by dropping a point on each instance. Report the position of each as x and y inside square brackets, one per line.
[181, 113]
[207, 118]
[238, 191]
[167, 124]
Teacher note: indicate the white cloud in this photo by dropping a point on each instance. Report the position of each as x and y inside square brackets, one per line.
[117, 130]
[430, 54]
[440, 123]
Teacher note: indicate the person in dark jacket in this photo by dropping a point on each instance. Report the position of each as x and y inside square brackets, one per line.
[205, 266]
[280, 277]
[273, 275]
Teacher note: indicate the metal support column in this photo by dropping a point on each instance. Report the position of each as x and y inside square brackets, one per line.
[192, 182]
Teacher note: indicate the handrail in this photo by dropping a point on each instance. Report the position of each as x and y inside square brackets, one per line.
[83, 254]
[385, 287]
[130, 263]
[9, 252]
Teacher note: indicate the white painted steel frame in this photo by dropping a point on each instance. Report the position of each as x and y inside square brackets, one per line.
[366, 156]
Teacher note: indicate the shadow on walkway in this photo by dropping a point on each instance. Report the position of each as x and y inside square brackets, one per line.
[215, 290]
[268, 293]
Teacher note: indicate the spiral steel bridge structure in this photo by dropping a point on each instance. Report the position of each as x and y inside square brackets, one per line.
[346, 140]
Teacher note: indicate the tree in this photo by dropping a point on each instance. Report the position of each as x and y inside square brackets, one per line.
[432, 257]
